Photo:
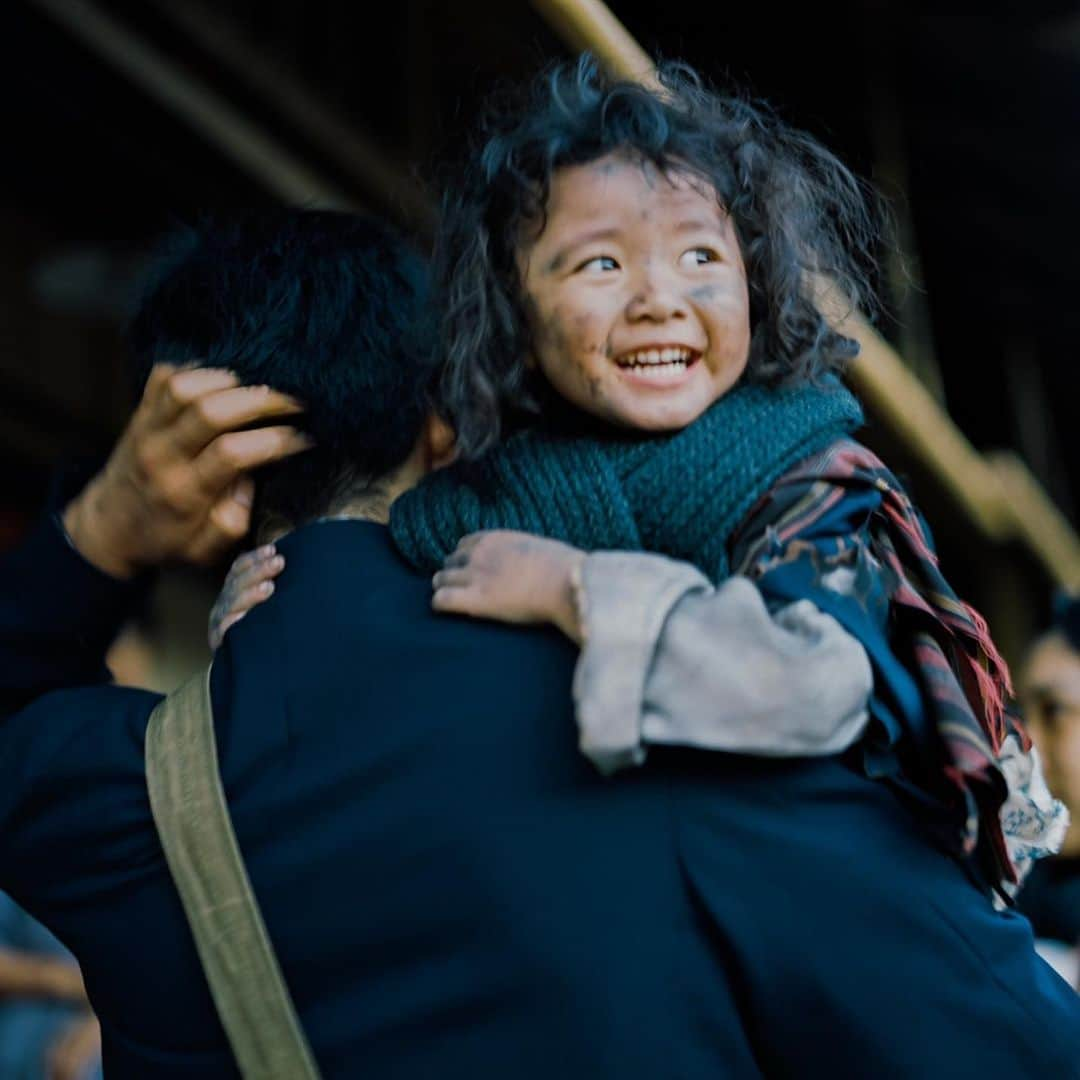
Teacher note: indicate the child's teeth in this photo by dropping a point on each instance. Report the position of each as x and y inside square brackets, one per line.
[656, 358]
[658, 363]
[661, 371]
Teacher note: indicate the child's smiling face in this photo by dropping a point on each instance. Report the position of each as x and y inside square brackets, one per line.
[637, 294]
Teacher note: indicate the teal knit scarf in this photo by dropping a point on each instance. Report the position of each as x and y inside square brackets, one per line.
[681, 494]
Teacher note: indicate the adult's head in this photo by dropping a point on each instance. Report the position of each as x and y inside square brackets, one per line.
[799, 216]
[328, 307]
[1049, 689]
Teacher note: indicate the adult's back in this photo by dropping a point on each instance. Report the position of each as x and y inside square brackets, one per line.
[451, 889]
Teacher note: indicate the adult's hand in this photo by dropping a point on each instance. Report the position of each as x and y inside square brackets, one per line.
[177, 485]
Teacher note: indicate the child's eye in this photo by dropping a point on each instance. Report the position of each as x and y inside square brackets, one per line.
[698, 256]
[597, 263]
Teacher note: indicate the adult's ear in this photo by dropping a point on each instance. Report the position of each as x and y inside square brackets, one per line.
[439, 442]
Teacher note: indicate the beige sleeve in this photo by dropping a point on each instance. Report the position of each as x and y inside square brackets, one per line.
[668, 659]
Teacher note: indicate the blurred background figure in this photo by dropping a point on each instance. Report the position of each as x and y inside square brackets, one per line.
[47, 1031]
[1050, 697]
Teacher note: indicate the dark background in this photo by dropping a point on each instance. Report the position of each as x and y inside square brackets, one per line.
[967, 123]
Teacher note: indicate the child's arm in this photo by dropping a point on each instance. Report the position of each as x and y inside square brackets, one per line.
[249, 582]
[666, 658]
[710, 667]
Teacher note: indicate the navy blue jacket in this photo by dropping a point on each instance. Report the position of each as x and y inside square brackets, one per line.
[451, 889]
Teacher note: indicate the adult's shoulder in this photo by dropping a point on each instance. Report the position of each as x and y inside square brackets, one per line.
[349, 616]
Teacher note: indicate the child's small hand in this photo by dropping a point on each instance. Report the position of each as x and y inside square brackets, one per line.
[248, 584]
[513, 577]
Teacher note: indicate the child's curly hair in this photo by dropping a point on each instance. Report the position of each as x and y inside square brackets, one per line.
[802, 220]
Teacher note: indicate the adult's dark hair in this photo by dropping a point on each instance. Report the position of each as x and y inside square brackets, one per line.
[802, 220]
[329, 307]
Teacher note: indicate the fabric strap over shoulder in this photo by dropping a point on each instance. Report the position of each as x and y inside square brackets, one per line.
[196, 832]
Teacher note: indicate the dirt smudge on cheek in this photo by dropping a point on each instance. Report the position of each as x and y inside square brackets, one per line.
[546, 328]
[723, 303]
[579, 324]
[577, 338]
[570, 351]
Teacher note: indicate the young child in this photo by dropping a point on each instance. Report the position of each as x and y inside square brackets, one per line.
[637, 359]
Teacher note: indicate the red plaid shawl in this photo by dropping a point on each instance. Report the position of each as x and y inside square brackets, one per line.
[965, 682]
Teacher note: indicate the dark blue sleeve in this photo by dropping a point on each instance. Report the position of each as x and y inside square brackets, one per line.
[58, 616]
[74, 817]
[799, 551]
[75, 820]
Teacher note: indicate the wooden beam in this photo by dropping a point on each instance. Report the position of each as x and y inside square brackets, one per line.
[591, 25]
[907, 408]
[1037, 521]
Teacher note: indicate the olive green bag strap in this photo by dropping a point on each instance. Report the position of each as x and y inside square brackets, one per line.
[193, 822]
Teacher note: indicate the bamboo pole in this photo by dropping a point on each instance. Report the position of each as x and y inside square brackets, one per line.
[591, 25]
[907, 407]
[1037, 521]
[1000, 497]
